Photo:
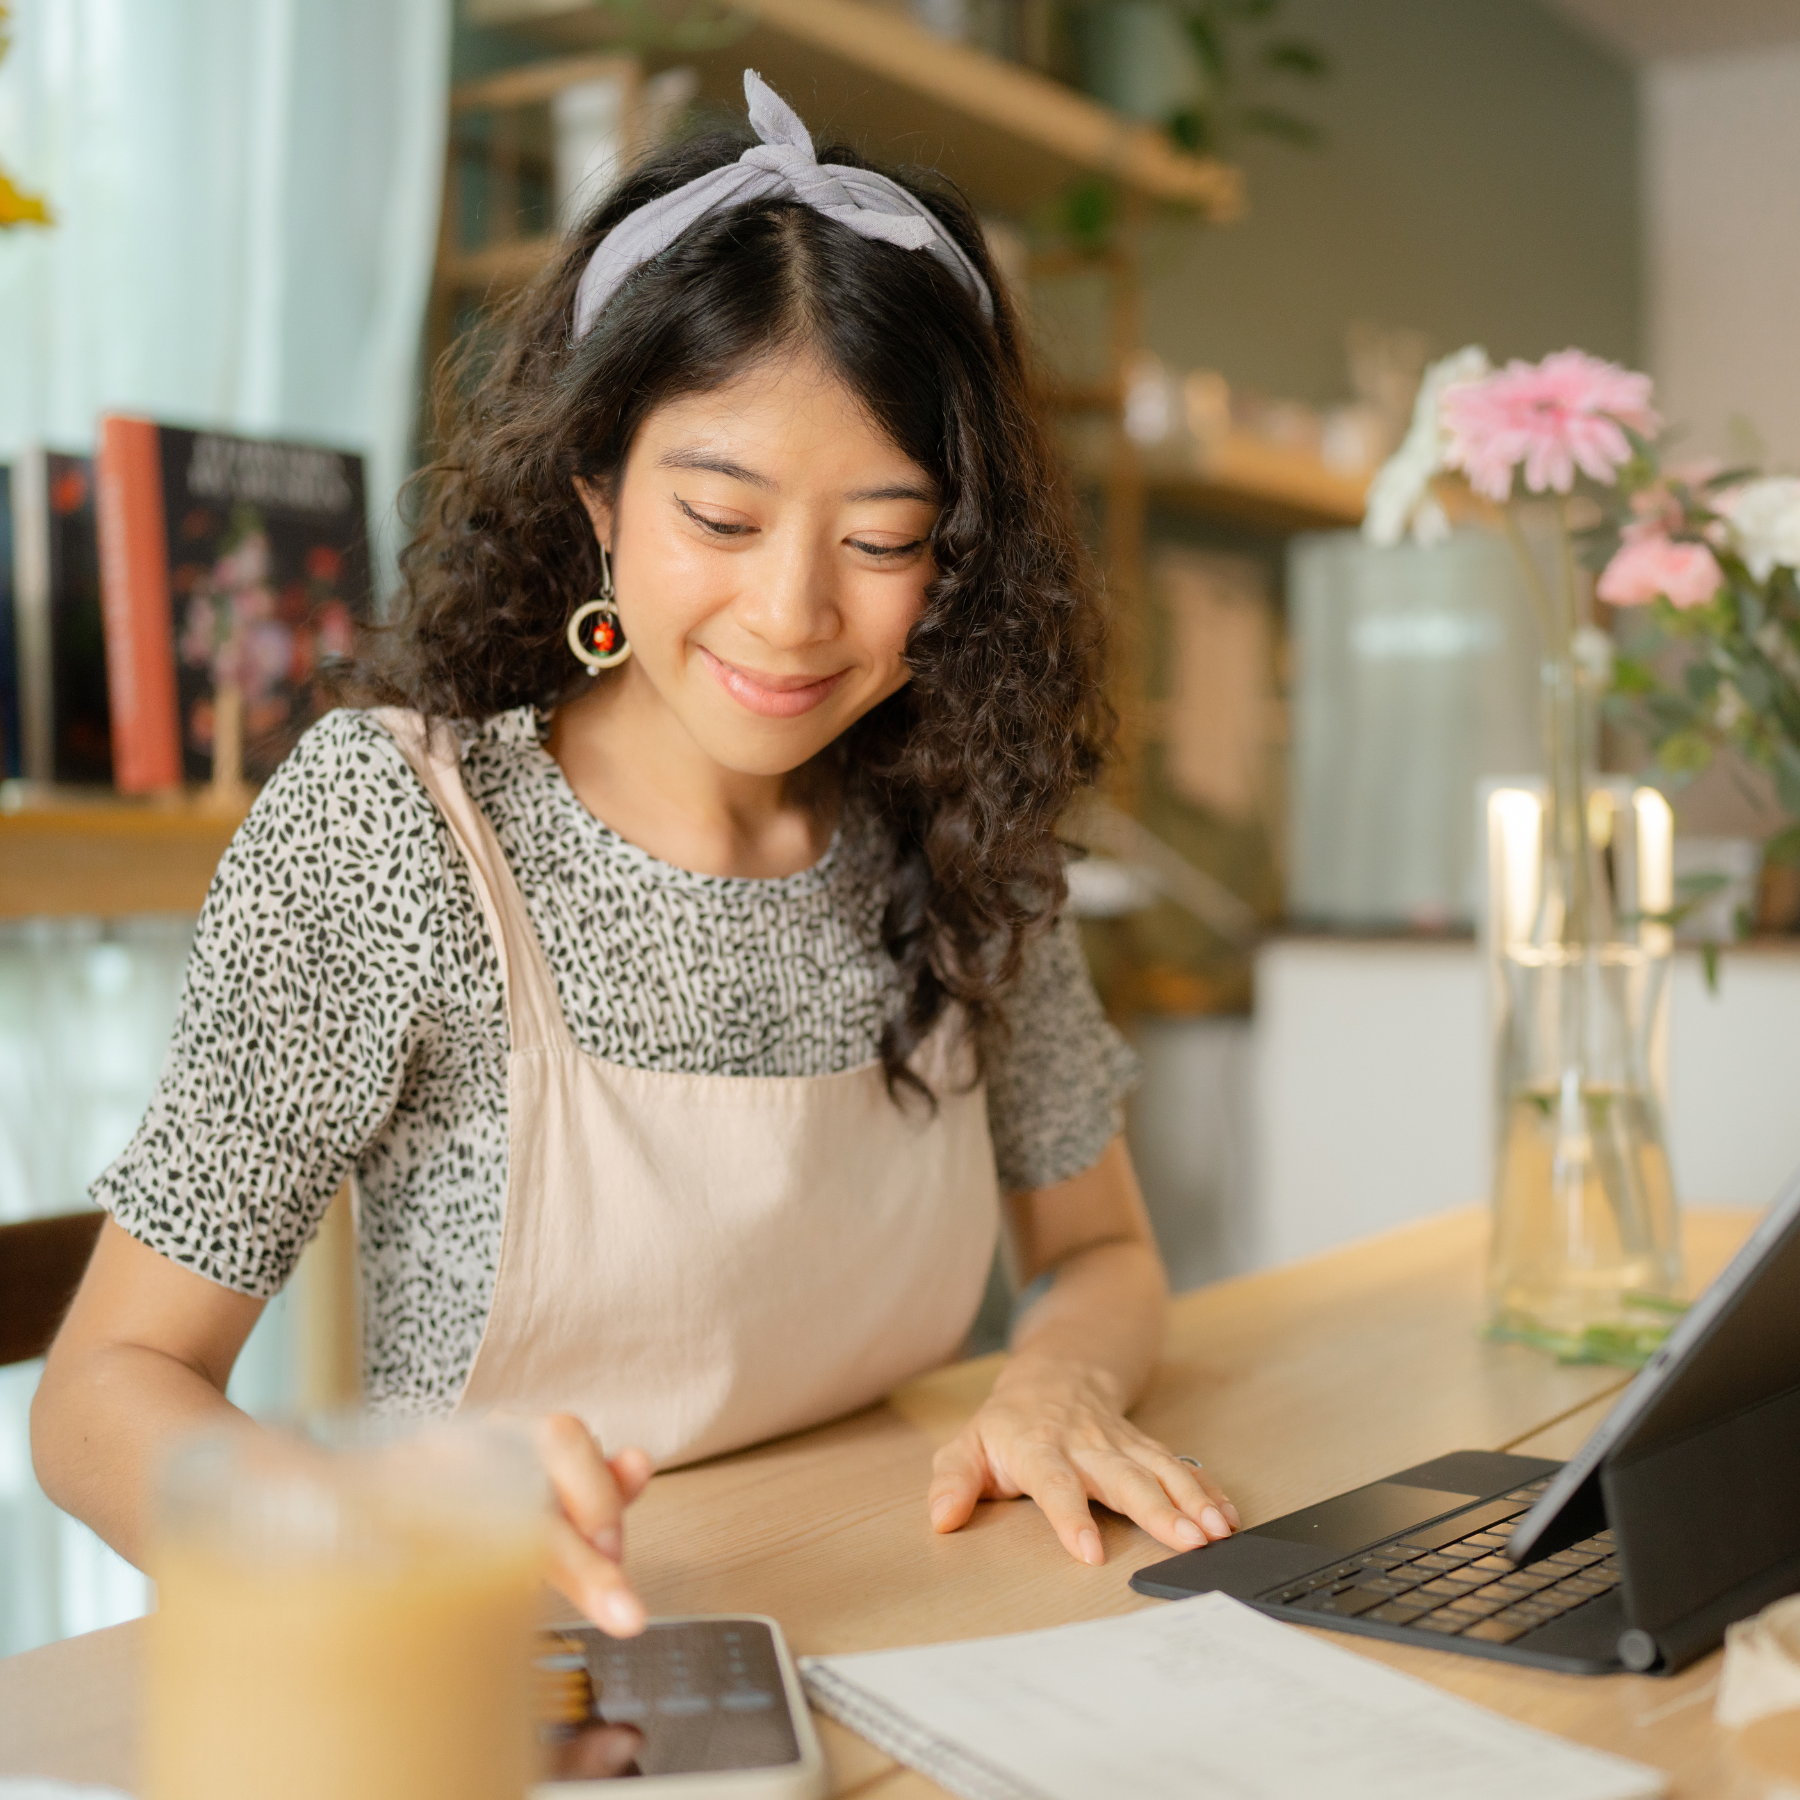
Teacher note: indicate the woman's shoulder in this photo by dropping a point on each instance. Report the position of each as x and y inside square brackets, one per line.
[343, 802]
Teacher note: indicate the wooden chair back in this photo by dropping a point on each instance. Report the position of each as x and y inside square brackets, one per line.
[41, 1265]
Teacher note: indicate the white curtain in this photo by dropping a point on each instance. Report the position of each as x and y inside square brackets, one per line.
[246, 196]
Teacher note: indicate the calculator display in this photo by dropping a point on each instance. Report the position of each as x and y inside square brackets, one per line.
[683, 1697]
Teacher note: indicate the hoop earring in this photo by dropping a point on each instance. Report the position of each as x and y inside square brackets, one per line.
[605, 646]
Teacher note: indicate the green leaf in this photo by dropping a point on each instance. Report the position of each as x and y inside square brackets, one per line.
[1687, 753]
[1750, 610]
[1787, 776]
[1754, 684]
[1701, 681]
[1670, 711]
[1090, 210]
[1209, 47]
[1709, 966]
[1191, 130]
[1288, 56]
[1271, 121]
[1783, 849]
[1629, 676]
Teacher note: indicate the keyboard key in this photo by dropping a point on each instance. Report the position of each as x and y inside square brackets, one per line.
[1401, 1612]
[1353, 1604]
[1462, 1525]
[1491, 1564]
[1290, 1594]
[1496, 1631]
[1442, 1620]
[1474, 1606]
[1386, 1585]
[1444, 1588]
[1580, 1585]
[1386, 1559]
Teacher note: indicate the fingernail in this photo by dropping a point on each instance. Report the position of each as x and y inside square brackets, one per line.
[1188, 1531]
[620, 1611]
[1214, 1521]
[941, 1509]
[609, 1540]
[1231, 1512]
[1090, 1547]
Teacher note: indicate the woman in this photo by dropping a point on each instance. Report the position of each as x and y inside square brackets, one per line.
[672, 958]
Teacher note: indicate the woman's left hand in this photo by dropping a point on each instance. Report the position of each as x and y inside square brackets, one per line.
[1055, 1431]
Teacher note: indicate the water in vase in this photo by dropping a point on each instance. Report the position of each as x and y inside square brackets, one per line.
[1585, 1214]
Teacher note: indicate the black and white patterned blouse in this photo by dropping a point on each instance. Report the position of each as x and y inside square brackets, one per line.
[343, 1010]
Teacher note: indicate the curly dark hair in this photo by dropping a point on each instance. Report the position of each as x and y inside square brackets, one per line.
[973, 762]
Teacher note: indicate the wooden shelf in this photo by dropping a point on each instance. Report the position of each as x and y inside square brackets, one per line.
[109, 858]
[496, 268]
[1011, 136]
[1263, 484]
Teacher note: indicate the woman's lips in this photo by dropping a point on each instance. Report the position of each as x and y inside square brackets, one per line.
[772, 696]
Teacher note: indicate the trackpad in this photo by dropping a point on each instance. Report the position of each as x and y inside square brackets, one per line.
[1363, 1516]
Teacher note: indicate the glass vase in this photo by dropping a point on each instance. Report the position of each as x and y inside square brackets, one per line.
[1585, 1253]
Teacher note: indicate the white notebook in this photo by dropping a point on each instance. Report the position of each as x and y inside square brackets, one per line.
[1199, 1697]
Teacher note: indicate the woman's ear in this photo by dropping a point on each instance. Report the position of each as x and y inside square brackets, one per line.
[598, 509]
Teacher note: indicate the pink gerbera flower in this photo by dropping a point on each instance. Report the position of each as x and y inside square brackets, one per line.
[1564, 413]
[1649, 563]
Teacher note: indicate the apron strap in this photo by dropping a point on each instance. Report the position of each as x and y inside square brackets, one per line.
[534, 1015]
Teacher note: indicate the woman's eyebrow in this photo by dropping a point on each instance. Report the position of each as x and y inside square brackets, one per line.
[899, 490]
[718, 465]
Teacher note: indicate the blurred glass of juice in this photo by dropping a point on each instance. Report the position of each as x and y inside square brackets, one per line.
[347, 1614]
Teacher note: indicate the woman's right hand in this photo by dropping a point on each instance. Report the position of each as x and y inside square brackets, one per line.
[587, 1536]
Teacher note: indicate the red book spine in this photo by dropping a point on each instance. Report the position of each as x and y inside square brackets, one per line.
[134, 598]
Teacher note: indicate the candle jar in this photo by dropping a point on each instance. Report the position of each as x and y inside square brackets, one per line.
[350, 1617]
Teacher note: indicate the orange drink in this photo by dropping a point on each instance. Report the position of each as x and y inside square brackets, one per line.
[351, 1621]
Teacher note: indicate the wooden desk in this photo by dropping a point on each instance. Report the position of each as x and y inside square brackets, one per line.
[1292, 1385]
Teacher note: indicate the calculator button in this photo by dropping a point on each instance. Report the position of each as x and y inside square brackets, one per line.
[747, 1700]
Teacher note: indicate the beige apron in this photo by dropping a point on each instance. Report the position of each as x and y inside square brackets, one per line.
[691, 1263]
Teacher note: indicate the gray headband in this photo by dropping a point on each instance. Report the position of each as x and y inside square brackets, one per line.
[782, 166]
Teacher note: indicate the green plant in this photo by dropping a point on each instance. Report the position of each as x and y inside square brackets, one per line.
[1246, 67]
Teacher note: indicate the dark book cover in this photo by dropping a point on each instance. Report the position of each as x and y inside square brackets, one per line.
[268, 579]
[237, 570]
[60, 641]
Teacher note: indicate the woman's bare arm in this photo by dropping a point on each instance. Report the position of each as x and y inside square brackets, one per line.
[143, 1355]
[1055, 1426]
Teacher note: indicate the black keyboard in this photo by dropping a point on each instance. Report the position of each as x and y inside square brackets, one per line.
[1452, 1578]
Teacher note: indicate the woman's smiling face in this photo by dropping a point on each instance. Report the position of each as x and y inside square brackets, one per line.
[770, 553]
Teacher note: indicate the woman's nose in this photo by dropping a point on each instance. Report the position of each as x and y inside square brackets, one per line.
[790, 600]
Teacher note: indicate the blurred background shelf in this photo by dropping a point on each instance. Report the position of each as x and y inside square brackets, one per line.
[1009, 134]
[108, 859]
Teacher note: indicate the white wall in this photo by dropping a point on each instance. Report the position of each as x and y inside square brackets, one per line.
[1722, 214]
[1370, 1101]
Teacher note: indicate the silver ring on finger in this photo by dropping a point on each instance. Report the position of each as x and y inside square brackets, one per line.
[1193, 1462]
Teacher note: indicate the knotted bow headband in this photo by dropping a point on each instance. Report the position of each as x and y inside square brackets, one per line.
[783, 166]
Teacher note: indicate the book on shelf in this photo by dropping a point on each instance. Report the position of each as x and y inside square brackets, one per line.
[58, 639]
[235, 569]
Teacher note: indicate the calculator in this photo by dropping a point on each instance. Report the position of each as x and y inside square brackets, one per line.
[701, 1708]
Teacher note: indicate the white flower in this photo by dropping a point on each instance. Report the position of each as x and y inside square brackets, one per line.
[1764, 517]
[1400, 495]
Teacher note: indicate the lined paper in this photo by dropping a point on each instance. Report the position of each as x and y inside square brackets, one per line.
[1198, 1697]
